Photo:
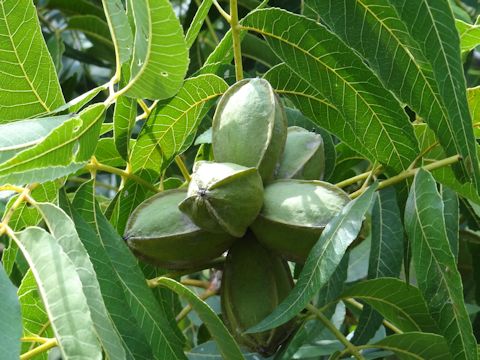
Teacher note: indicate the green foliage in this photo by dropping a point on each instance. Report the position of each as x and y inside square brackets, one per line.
[391, 86]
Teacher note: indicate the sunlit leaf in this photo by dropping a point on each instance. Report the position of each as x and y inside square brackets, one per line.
[63, 229]
[197, 22]
[56, 276]
[469, 35]
[341, 76]
[29, 83]
[66, 149]
[160, 56]
[120, 30]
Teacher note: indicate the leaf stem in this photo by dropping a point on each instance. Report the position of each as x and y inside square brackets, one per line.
[197, 283]
[9, 187]
[183, 168]
[39, 349]
[95, 166]
[215, 263]
[37, 339]
[357, 178]
[24, 196]
[386, 323]
[237, 50]
[186, 310]
[410, 172]
[222, 12]
[328, 324]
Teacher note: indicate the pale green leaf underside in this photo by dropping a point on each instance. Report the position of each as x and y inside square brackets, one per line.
[56, 276]
[28, 81]
[20, 135]
[134, 342]
[437, 275]
[171, 124]
[340, 75]
[160, 56]
[197, 22]
[322, 261]
[63, 229]
[225, 342]
[34, 317]
[66, 149]
[11, 324]
[120, 30]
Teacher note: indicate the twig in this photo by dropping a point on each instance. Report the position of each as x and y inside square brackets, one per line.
[39, 349]
[237, 50]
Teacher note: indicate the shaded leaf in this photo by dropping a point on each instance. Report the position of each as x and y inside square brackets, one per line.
[225, 342]
[416, 346]
[11, 324]
[435, 268]
[322, 261]
[400, 303]
[29, 83]
[56, 276]
[340, 75]
[160, 56]
[164, 341]
[451, 214]
[386, 256]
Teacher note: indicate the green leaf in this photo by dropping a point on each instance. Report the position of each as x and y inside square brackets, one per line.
[169, 129]
[431, 24]
[160, 56]
[386, 255]
[106, 153]
[309, 331]
[164, 341]
[197, 22]
[56, 276]
[134, 340]
[322, 261]
[225, 342]
[63, 229]
[435, 268]
[11, 324]
[400, 303]
[77, 7]
[123, 123]
[96, 30]
[451, 214]
[415, 346]
[120, 30]
[29, 83]
[399, 62]
[20, 135]
[66, 149]
[341, 76]
[35, 319]
[24, 216]
[315, 106]
[469, 35]
[445, 175]
[56, 48]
